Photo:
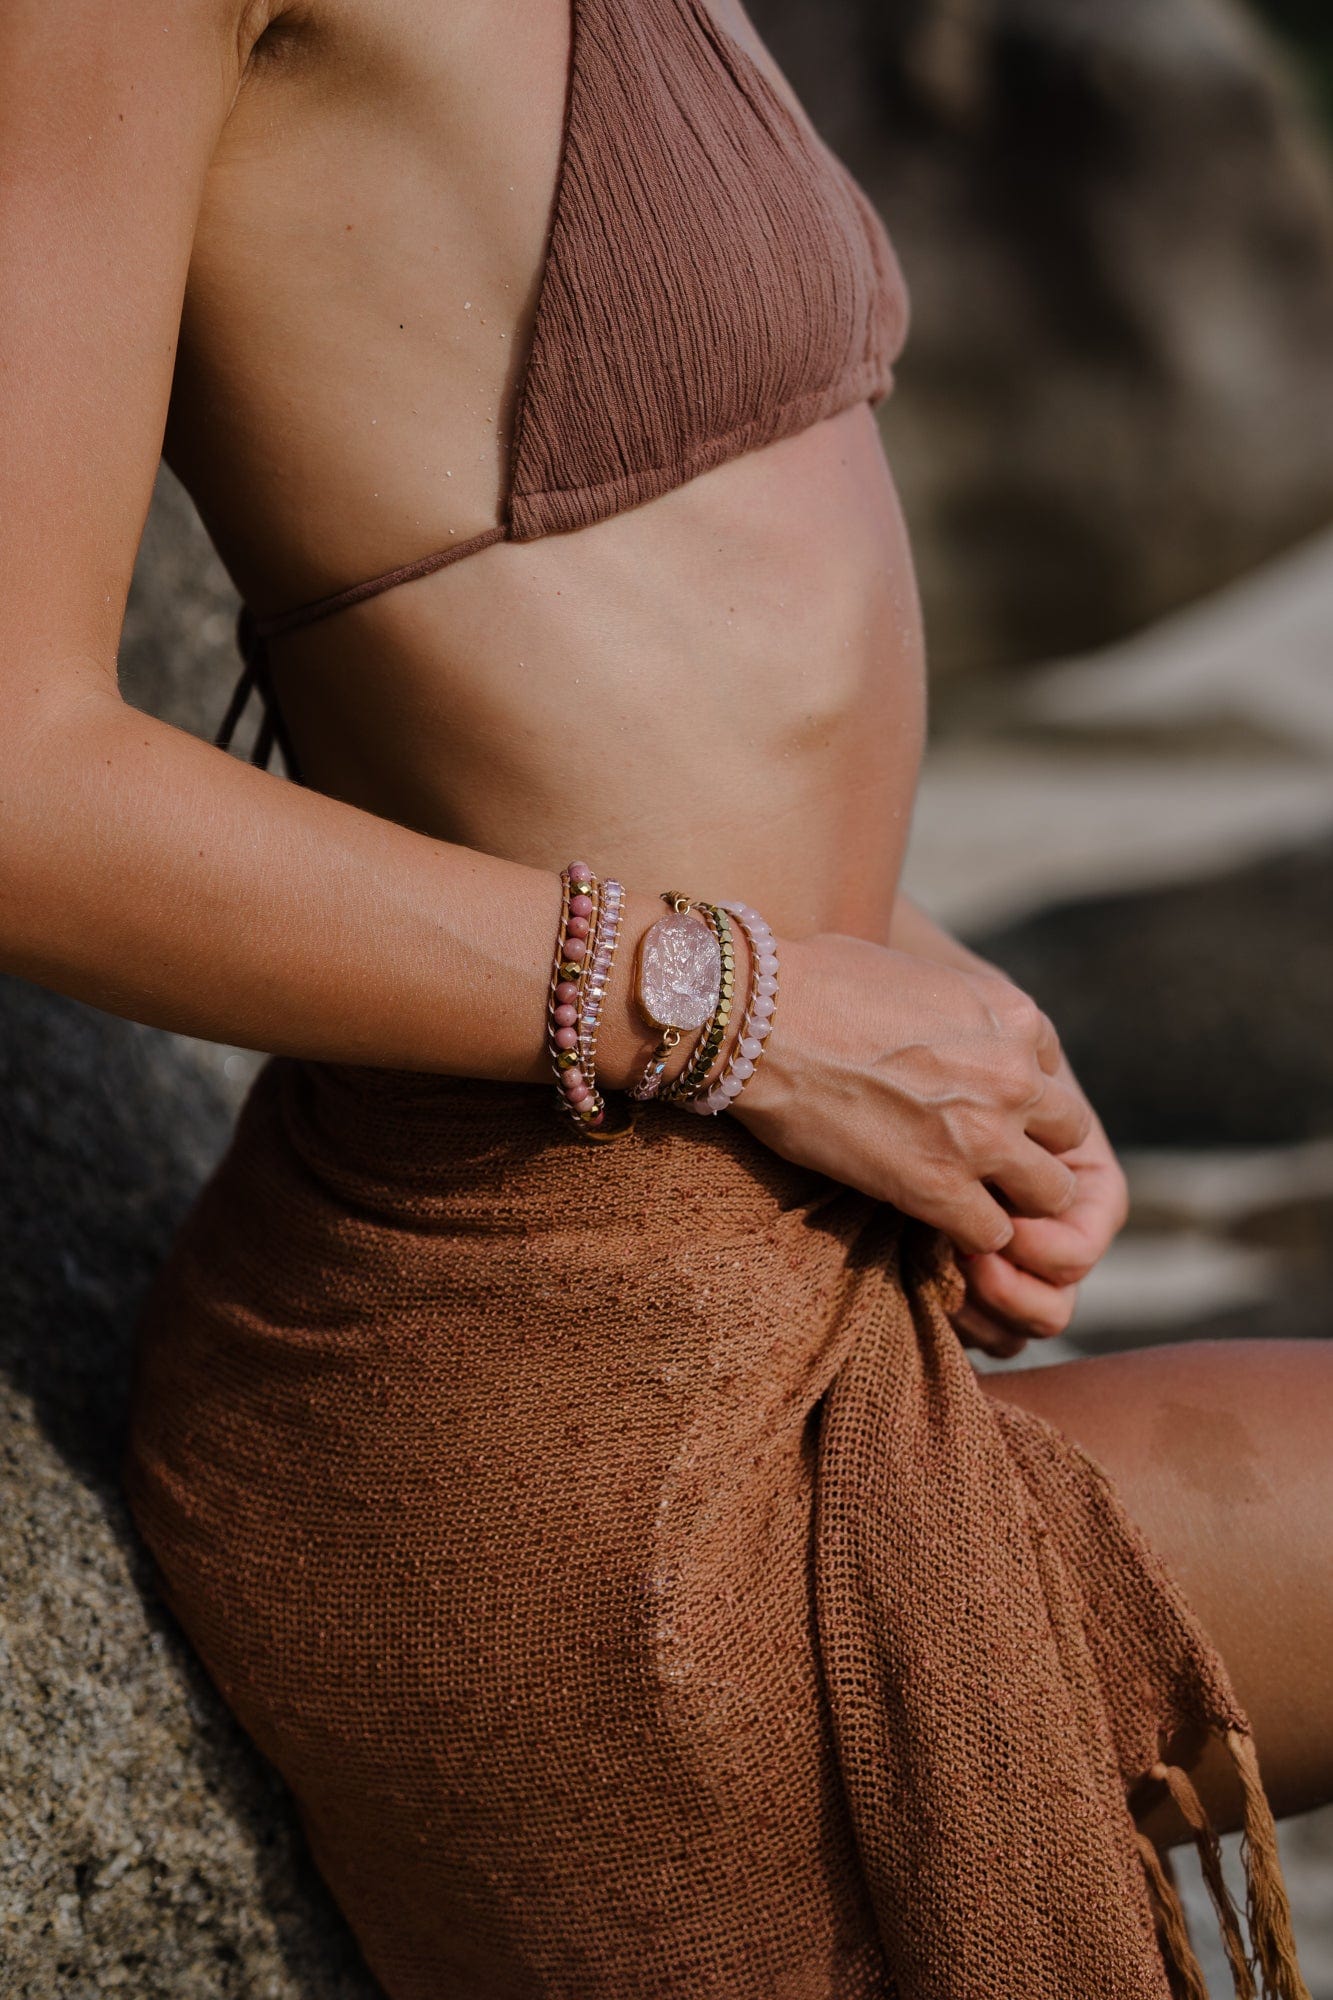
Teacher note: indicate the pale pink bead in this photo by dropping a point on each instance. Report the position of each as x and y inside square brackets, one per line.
[580, 871]
[717, 1100]
[566, 991]
[577, 927]
[760, 1028]
[575, 948]
[580, 906]
[761, 933]
[750, 1046]
[730, 1086]
[566, 1015]
[566, 1038]
[761, 1008]
[766, 983]
[768, 964]
[742, 1068]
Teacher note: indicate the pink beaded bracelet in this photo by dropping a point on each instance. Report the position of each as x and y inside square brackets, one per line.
[757, 1020]
[608, 897]
[584, 947]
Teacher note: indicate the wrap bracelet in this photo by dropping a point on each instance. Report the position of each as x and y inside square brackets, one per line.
[680, 978]
[756, 1022]
[584, 948]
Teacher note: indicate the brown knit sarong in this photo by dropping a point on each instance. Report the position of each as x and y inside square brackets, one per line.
[613, 1549]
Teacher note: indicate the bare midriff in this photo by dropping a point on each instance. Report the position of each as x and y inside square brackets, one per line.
[721, 690]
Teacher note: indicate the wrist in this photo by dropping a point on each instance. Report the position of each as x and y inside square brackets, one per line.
[628, 1038]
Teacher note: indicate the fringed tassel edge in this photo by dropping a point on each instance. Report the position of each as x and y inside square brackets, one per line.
[1187, 1980]
[1270, 1970]
[1267, 1910]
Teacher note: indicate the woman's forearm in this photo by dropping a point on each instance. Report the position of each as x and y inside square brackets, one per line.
[149, 874]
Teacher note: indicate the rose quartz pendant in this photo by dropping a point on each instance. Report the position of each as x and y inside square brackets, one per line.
[680, 971]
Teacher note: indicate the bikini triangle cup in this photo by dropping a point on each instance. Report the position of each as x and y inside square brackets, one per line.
[684, 316]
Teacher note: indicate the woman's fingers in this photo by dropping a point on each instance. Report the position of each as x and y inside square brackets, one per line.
[972, 1220]
[1060, 1120]
[1018, 1302]
[1063, 1249]
[976, 1329]
[1049, 1053]
[1035, 1182]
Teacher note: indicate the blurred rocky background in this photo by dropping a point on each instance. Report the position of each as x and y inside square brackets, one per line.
[1114, 435]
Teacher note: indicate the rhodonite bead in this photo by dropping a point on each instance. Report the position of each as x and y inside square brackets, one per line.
[566, 1038]
[566, 1014]
[580, 906]
[566, 993]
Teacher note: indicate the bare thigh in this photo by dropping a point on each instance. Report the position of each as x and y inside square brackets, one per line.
[1223, 1454]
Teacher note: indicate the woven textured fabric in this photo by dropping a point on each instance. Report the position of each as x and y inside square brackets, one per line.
[615, 1552]
[714, 280]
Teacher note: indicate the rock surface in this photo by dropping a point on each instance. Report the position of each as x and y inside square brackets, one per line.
[144, 1847]
[1116, 222]
[1197, 1014]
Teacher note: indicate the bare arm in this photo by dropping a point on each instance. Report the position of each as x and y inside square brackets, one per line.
[140, 869]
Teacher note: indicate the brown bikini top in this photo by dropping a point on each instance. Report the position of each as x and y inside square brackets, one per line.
[714, 280]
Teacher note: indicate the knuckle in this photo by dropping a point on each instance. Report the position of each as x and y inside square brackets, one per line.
[1016, 1086]
[1020, 1013]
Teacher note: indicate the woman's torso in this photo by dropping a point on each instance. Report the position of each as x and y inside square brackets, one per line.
[721, 686]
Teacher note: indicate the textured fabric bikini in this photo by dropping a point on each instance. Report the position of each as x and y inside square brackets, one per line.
[714, 281]
[612, 1547]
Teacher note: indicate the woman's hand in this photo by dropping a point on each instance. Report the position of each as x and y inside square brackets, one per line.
[1028, 1290]
[934, 1087]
